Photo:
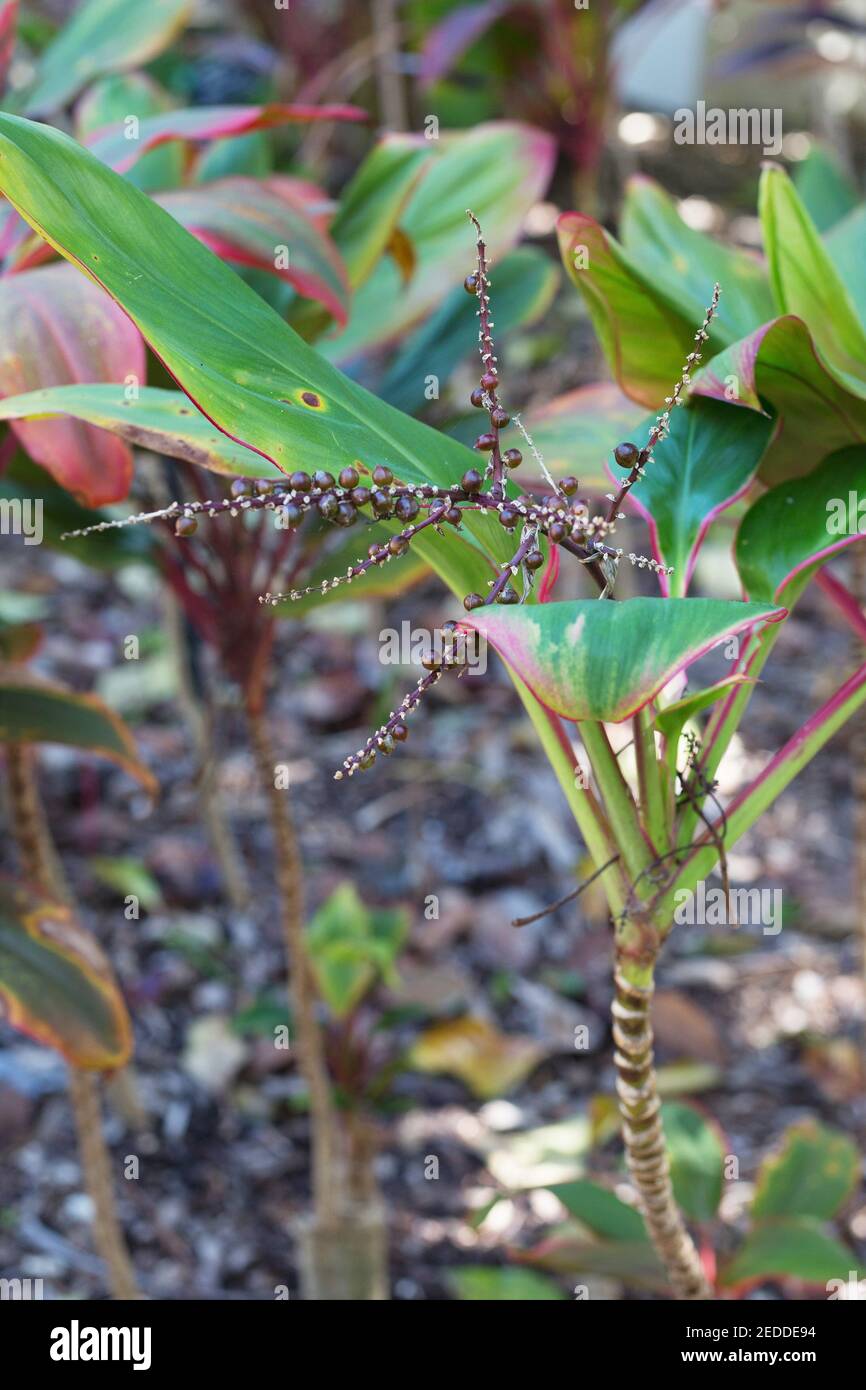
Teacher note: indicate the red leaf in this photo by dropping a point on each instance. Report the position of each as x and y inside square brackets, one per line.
[59, 329]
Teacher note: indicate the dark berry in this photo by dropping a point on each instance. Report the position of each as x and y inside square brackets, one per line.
[349, 478]
[241, 487]
[399, 732]
[321, 478]
[382, 503]
[293, 515]
[406, 508]
[301, 482]
[453, 516]
[508, 595]
[473, 601]
[534, 560]
[327, 506]
[569, 485]
[382, 476]
[557, 531]
[470, 284]
[185, 526]
[477, 398]
[509, 518]
[512, 458]
[471, 480]
[499, 417]
[490, 381]
[346, 514]
[398, 546]
[626, 455]
[360, 496]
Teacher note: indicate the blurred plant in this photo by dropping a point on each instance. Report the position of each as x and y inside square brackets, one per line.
[55, 982]
[653, 835]
[800, 1189]
[351, 948]
[551, 62]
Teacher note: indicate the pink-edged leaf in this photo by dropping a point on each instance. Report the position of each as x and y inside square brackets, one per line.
[575, 433]
[110, 101]
[59, 329]
[645, 342]
[703, 466]
[56, 984]
[805, 281]
[448, 40]
[258, 222]
[846, 602]
[119, 148]
[794, 528]
[780, 363]
[603, 660]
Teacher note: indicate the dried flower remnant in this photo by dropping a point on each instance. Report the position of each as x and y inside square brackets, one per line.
[560, 517]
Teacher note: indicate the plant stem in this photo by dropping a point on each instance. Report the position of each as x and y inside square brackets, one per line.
[652, 797]
[96, 1165]
[199, 721]
[646, 1152]
[40, 864]
[289, 874]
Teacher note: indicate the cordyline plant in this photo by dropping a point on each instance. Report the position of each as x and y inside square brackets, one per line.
[64, 334]
[593, 661]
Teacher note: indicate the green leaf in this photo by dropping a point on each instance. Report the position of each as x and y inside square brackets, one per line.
[32, 711]
[600, 1210]
[240, 363]
[644, 342]
[373, 202]
[163, 421]
[790, 531]
[780, 363]
[490, 1284]
[500, 169]
[603, 660]
[813, 1173]
[58, 329]
[574, 433]
[385, 581]
[805, 281]
[350, 947]
[696, 1159]
[844, 245]
[102, 36]
[55, 983]
[703, 466]
[793, 1247]
[824, 189]
[250, 221]
[524, 287]
[681, 265]
[126, 875]
[671, 720]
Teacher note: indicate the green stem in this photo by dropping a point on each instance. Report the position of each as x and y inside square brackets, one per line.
[649, 775]
[618, 800]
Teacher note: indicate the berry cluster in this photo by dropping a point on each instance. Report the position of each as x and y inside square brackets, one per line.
[560, 517]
